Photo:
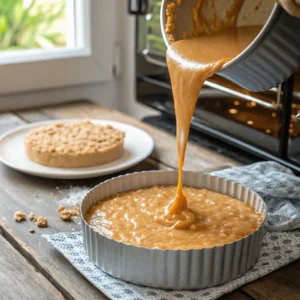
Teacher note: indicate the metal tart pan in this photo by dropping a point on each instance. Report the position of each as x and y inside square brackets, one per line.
[172, 269]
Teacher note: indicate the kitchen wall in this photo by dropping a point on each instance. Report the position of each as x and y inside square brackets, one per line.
[126, 83]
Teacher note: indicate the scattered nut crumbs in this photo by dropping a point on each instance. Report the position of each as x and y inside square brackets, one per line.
[32, 217]
[67, 214]
[19, 216]
[31, 230]
[60, 208]
[77, 208]
[41, 222]
[75, 211]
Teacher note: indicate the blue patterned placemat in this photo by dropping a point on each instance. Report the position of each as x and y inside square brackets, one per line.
[278, 249]
[281, 245]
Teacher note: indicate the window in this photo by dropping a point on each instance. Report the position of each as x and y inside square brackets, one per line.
[55, 43]
[33, 24]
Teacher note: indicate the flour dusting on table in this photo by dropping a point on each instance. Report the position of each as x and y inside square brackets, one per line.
[72, 195]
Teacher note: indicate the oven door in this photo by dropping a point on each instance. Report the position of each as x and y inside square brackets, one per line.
[150, 43]
[256, 122]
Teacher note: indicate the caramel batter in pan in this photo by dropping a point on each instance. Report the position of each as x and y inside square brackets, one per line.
[136, 218]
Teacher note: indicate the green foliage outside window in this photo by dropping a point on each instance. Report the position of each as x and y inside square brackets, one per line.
[32, 24]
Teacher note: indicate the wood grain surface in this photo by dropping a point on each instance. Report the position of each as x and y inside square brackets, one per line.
[20, 280]
[42, 264]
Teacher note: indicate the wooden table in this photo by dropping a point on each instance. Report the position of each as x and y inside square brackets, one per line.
[30, 268]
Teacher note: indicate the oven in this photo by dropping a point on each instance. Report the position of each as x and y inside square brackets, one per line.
[253, 126]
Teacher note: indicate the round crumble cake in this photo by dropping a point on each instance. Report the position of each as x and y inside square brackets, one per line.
[71, 145]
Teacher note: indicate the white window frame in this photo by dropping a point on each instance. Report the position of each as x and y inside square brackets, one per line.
[92, 62]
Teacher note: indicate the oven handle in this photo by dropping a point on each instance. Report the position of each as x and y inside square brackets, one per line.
[140, 8]
[248, 97]
[221, 88]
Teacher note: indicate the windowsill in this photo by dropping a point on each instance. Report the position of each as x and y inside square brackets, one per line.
[38, 55]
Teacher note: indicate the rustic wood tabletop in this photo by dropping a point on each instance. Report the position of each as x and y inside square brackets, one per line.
[30, 268]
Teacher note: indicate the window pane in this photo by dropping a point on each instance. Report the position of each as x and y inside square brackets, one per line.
[33, 24]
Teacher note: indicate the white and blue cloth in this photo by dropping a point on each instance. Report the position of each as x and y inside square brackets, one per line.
[278, 186]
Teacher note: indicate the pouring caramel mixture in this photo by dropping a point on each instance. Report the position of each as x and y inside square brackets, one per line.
[185, 217]
[136, 218]
[190, 62]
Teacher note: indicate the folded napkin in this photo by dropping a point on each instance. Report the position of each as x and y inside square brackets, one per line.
[281, 245]
[277, 185]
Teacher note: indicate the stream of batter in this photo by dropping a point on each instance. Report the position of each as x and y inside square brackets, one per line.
[190, 62]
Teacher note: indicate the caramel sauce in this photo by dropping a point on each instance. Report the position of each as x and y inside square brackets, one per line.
[135, 218]
[191, 62]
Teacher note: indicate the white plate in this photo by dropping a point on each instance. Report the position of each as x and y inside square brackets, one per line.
[137, 146]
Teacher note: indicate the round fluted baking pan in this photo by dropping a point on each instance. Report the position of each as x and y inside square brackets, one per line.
[172, 269]
[269, 60]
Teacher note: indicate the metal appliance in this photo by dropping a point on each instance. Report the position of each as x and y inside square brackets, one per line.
[262, 124]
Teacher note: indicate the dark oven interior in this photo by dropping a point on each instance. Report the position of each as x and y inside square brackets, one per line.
[259, 123]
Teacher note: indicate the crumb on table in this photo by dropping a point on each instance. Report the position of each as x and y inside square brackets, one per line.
[67, 214]
[31, 230]
[19, 216]
[75, 211]
[77, 208]
[60, 208]
[41, 222]
[32, 217]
